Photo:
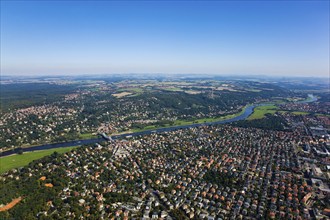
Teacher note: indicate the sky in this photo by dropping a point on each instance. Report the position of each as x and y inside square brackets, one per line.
[284, 38]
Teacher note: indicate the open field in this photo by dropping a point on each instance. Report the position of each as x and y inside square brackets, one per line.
[305, 113]
[193, 92]
[173, 89]
[87, 135]
[300, 113]
[121, 94]
[131, 90]
[15, 161]
[260, 111]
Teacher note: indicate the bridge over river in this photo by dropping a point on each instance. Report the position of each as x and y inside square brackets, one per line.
[245, 114]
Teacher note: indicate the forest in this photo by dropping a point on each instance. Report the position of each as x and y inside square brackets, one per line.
[21, 95]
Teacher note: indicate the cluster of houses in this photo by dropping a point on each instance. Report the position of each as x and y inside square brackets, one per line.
[68, 118]
[211, 172]
[318, 107]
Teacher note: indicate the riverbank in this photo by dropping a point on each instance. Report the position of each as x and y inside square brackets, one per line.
[52, 146]
[181, 122]
[243, 114]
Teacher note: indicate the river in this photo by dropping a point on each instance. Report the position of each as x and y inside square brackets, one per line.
[311, 98]
[247, 112]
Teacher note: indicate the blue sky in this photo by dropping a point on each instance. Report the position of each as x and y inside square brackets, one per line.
[214, 37]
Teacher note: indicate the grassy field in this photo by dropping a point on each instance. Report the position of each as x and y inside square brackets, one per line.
[300, 113]
[135, 90]
[189, 122]
[172, 89]
[306, 113]
[15, 161]
[87, 136]
[260, 111]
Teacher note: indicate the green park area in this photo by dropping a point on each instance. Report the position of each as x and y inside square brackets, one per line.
[87, 136]
[260, 111]
[20, 160]
[299, 113]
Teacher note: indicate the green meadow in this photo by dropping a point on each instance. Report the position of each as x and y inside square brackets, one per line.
[87, 136]
[20, 160]
[260, 111]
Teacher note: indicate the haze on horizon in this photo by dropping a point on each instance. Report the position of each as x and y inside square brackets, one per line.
[289, 38]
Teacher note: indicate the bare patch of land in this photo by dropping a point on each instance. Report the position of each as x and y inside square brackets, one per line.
[193, 92]
[11, 204]
[121, 94]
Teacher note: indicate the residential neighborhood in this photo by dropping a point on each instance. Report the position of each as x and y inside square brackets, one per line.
[211, 172]
[164, 110]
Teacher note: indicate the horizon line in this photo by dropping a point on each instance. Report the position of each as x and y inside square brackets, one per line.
[162, 74]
